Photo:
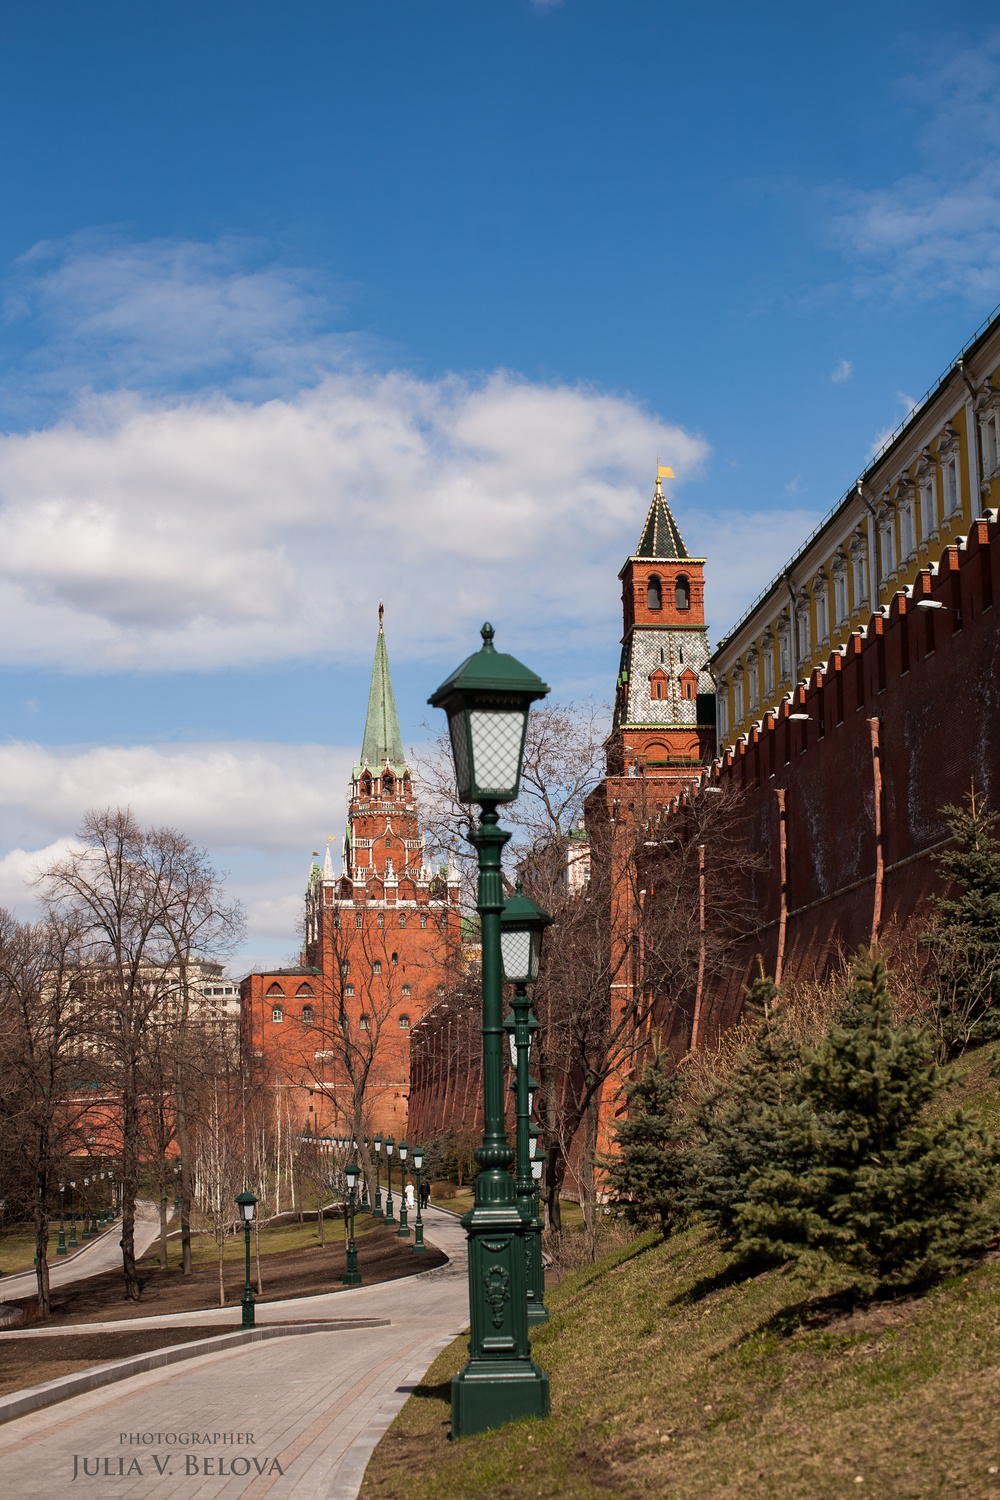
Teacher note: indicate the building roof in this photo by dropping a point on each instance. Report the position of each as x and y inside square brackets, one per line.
[660, 536]
[383, 741]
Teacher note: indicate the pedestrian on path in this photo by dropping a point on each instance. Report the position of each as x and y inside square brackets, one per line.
[425, 1193]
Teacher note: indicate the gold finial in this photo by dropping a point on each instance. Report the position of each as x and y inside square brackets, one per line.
[381, 612]
[663, 471]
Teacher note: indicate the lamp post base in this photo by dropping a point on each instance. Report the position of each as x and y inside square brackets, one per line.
[352, 1276]
[537, 1314]
[489, 1393]
[248, 1310]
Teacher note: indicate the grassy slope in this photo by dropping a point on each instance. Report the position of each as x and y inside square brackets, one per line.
[670, 1380]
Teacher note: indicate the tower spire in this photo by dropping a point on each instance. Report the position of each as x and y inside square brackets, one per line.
[383, 741]
[660, 536]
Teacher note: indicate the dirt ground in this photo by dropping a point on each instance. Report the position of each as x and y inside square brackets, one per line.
[295, 1273]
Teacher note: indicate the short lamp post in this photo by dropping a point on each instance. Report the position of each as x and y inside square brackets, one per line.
[377, 1210]
[487, 700]
[85, 1233]
[247, 1203]
[61, 1248]
[522, 926]
[419, 1247]
[103, 1218]
[403, 1232]
[390, 1146]
[72, 1215]
[351, 1276]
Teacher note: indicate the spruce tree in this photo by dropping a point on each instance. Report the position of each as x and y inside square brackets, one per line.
[648, 1173]
[965, 933]
[738, 1132]
[862, 1179]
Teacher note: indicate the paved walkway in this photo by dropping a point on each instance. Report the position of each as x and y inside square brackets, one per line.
[290, 1417]
[102, 1254]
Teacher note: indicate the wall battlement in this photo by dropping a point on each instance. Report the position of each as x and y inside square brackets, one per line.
[910, 706]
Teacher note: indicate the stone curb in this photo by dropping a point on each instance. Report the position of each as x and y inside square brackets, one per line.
[38, 1396]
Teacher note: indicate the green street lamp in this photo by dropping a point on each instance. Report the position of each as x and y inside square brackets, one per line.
[377, 1210]
[487, 700]
[537, 1166]
[522, 926]
[419, 1248]
[103, 1218]
[390, 1146]
[72, 1214]
[351, 1276]
[177, 1190]
[61, 1248]
[114, 1206]
[247, 1203]
[403, 1232]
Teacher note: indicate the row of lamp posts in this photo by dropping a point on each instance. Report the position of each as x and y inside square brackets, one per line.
[487, 700]
[98, 1208]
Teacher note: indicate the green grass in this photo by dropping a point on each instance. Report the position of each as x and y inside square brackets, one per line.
[274, 1241]
[672, 1376]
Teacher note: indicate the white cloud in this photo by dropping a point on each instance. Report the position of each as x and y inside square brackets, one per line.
[843, 371]
[259, 808]
[266, 798]
[218, 532]
[936, 231]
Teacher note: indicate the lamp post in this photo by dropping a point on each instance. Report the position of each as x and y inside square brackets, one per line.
[419, 1248]
[61, 1248]
[351, 1276]
[247, 1203]
[103, 1218]
[522, 925]
[177, 1190]
[487, 700]
[390, 1146]
[111, 1190]
[86, 1210]
[72, 1215]
[403, 1232]
[377, 1210]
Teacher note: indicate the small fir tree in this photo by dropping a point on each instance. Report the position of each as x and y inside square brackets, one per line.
[738, 1130]
[964, 937]
[861, 1179]
[648, 1174]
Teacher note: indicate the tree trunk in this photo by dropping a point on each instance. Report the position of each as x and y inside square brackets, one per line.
[42, 1254]
[588, 1185]
[130, 1184]
[182, 1144]
[222, 1256]
[553, 1180]
[321, 1216]
[256, 1246]
[163, 1229]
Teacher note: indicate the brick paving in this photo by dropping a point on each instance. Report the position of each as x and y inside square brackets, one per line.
[311, 1404]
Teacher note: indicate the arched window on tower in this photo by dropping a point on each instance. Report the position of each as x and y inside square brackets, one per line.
[387, 785]
[366, 785]
[682, 593]
[654, 593]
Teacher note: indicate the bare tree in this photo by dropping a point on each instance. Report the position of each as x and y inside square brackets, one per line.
[43, 1058]
[140, 899]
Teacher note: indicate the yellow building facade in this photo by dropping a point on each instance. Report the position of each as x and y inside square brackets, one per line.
[934, 476]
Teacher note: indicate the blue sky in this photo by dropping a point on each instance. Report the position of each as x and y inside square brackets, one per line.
[307, 305]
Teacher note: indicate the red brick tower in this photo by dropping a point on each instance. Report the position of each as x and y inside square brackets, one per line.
[664, 723]
[378, 944]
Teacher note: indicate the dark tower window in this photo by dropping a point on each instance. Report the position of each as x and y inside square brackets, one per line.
[659, 690]
[387, 786]
[682, 593]
[654, 593]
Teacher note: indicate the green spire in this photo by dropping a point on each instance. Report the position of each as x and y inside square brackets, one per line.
[660, 537]
[383, 741]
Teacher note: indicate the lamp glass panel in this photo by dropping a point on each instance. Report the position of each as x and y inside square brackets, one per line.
[418, 1159]
[460, 753]
[512, 1043]
[404, 1151]
[248, 1211]
[531, 1101]
[532, 1146]
[496, 750]
[515, 951]
[389, 1147]
[536, 1169]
